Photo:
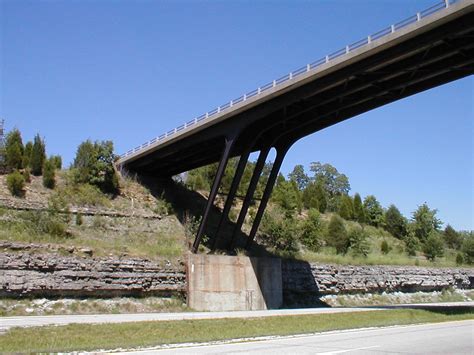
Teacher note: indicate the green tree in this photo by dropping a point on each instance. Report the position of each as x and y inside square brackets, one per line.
[311, 231]
[94, 164]
[385, 247]
[279, 231]
[373, 211]
[14, 150]
[452, 238]
[16, 183]
[38, 156]
[358, 241]
[49, 179]
[346, 208]
[412, 243]
[468, 249]
[333, 182]
[27, 154]
[425, 222]
[299, 176]
[57, 161]
[395, 223]
[434, 246]
[287, 195]
[314, 196]
[337, 235]
[359, 212]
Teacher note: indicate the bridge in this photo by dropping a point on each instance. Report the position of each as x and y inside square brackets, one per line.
[428, 49]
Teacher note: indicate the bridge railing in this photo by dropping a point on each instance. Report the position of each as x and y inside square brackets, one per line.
[439, 6]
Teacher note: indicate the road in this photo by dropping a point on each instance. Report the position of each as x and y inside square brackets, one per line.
[438, 338]
[31, 321]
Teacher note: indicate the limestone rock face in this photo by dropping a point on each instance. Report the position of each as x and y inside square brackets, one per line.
[322, 279]
[26, 274]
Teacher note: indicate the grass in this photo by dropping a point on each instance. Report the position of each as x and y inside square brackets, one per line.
[119, 305]
[82, 337]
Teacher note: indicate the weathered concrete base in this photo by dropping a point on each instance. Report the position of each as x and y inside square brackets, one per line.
[233, 283]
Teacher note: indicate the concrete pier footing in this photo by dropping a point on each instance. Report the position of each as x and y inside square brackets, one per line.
[233, 283]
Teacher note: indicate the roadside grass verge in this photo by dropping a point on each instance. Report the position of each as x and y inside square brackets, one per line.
[82, 337]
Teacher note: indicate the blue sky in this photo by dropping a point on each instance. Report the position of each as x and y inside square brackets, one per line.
[131, 70]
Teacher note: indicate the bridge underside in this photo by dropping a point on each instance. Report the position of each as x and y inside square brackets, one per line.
[436, 57]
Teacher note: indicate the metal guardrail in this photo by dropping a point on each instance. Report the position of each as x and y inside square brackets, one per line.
[439, 6]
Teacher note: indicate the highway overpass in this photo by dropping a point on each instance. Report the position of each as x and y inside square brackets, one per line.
[428, 49]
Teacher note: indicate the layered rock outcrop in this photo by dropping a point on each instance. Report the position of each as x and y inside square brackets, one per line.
[25, 274]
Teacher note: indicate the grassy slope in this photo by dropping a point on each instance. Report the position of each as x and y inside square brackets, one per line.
[131, 236]
[77, 337]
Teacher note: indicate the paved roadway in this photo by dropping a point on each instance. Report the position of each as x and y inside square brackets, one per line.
[31, 321]
[439, 338]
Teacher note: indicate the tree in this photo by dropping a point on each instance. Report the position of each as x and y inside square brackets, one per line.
[299, 177]
[425, 222]
[468, 249]
[57, 161]
[314, 196]
[49, 179]
[411, 242]
[395, 223]
[334, 182]
[373, 211]
[287, 195]
[16, 183]
[14, 150]
[434, 246]
[358, 242]
[452, 238]
[38, 156]
[385, 247]
[311, 231]
[27, 154]
[359, 212]
[278, 231]
[346, 208]
[337, 235]
[94, 164]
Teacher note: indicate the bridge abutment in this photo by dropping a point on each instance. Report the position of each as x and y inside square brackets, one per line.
[233, 283]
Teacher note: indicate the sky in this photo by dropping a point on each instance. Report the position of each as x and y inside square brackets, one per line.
[128, 71]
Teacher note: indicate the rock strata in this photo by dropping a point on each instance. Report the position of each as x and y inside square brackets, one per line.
[325, 279]
[25, 274]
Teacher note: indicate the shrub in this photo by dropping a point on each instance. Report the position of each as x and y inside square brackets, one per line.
[53, 226]
[459, 259]
[16, 184]
[57, 161]
[468, 249]
[79, 220]
[49, 179]
[311, 231]
[26, 175]
[358, 242]
[94, 164]
[433, 247]
[385, 247]
[279, 231]
[337, 235]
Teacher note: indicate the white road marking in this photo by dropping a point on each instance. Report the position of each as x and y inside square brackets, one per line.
[347, 350]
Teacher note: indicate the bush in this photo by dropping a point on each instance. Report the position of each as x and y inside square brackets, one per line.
[57, 161]
[358, 242]
[311, 231]
[279, 231]
[337, 235]
[385, 247]
[433, 247]
[26, 175]
[49, 179]
[79, 220]
[459, 259]
[94, 164]
[52, 226]
[14, 150]
[468, 249]
[16, 184]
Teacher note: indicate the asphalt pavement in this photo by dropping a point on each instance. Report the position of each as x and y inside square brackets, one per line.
[439, 338]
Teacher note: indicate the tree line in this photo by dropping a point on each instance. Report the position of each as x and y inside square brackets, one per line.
[93, 164]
